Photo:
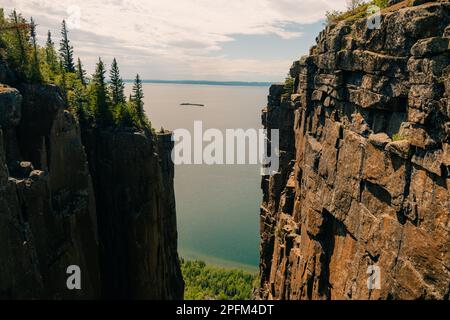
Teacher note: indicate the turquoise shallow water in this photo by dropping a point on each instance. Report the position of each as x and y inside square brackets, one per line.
[217, 206]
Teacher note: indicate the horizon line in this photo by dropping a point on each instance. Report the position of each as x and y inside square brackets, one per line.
[207, 82]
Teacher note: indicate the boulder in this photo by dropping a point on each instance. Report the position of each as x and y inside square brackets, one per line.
[430, 46]
[379, 139]
[7, 76]
[10, 107]
[400, 148]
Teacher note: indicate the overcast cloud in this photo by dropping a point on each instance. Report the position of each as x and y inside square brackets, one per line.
[183, 39]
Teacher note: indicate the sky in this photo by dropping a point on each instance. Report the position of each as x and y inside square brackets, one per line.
[223, 40]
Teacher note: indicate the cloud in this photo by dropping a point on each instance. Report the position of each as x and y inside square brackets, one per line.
[185, 34]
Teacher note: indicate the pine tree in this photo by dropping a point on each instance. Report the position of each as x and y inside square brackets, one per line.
[81, 73]
[127, 117]
[79, 96]
[117, 86]
[63, 82]
[35, 72]
[137, 100]
[101, 109]
[50, 53]
[20, 40]
[66, 50]
[124, 115]
[2, 17]
[2, 25]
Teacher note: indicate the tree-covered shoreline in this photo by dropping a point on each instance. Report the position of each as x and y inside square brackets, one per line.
[208, 282]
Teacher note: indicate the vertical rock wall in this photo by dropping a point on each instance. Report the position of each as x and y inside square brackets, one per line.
[107, 206]
[365, 164]
[133, 182]
[47, 205]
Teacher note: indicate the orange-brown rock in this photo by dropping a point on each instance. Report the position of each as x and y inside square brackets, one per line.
[364, 165]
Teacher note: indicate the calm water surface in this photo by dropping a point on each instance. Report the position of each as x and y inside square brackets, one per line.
[217, 206]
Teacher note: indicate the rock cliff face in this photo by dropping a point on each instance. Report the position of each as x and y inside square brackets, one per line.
[47, 205]
[133, 182]
[105, 205]
[364, 164]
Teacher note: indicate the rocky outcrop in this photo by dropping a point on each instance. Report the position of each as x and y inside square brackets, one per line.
[105, 204]
[364, 164]
[47, 204]
[133, 182]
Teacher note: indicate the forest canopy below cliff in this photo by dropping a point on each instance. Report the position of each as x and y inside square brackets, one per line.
[206, 282]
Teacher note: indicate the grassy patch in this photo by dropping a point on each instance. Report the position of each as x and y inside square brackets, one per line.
[350, 15]
[356, 13]
[206, 282]
[381, 3]
[288, 87]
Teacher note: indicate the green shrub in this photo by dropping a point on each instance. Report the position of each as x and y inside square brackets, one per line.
[332, 16]
[288, 87]
[397, 137]
[381, 3]
[355, 10]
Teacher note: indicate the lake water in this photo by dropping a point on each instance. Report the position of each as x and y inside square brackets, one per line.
[218, 205]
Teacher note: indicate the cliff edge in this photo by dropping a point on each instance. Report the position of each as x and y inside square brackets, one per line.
[364, 164]
[104, 203]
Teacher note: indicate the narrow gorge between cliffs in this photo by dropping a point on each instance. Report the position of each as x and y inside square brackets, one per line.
[336, 182]
[217, 205]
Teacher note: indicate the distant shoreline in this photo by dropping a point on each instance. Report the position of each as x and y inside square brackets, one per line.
[208, 83]
[217, 262]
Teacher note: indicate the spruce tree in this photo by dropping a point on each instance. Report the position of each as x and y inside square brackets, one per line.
[66, 50]
[2, 25]
[81, 73]
[101, 108]
[63, 82]
[117, 86]
[126, 117]
[50, 53]
[137, 100]
[79, 94]
[35, 72]
[20, 41]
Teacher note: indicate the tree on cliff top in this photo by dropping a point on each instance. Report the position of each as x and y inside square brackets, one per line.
[35, 72]
[14, 38]
[100, 97]
[63, 82]
[116, 86]
[50, 53]
[137, 101]
[79, 101]
[88, 98]
[66, 50]
[81, 73]
[122, 111]
[18, 19]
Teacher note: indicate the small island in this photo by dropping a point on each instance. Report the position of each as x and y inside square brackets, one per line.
[192, 104]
